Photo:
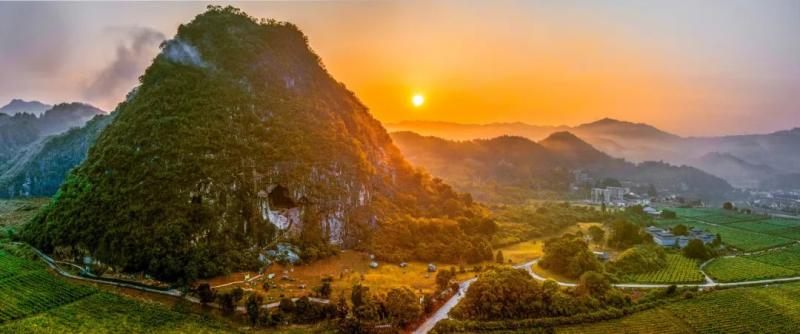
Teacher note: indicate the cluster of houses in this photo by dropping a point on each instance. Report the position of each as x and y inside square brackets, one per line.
[617, 196]
[666, 238]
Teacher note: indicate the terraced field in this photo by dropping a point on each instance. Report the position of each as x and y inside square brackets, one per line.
[772, 309]
[11, 265]
[735, 269]
[32, 300]
[108, 313]
[638, 323]
[679, 269]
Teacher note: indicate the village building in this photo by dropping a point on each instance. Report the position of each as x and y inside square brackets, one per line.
[665, 238]
[609, 195]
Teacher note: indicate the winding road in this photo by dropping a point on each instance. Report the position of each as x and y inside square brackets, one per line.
[442, 312]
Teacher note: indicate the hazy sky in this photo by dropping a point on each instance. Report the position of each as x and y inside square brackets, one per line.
[690, 67]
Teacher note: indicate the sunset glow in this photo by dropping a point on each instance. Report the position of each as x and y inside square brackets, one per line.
[418, 100]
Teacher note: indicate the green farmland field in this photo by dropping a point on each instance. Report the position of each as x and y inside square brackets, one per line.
[679, 269]
[32, 300]
[788, 258]
[734, 269]
[772, 309]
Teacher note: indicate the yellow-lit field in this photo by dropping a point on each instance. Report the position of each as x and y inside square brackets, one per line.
[351, 267]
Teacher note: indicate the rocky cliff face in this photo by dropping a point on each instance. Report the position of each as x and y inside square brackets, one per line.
[236, 138]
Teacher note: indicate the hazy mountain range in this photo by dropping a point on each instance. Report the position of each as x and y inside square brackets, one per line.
[743, 160]
[18, 106]
[22, 131]
[481, 166]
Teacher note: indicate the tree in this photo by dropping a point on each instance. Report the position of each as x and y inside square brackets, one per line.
[342, 309]
[227, 303]
[499, 257]
[205, 293]
[359, 296]
[717, 241]
[286, 305]
[680, 229]
[237, 294]
[668, 214]
[253, 306]
[624, 234]
[402, 305]
[593, 284]
[727, 206]
[501, 293]
[324, 290]
[569, 256]
[597, 234]
[695, 249]
[443, 278]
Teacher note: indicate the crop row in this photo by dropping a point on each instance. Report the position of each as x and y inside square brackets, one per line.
[34, 292]
[11, 265]
[679, 269]
[751, 310]
[734, 269]
[772, 309]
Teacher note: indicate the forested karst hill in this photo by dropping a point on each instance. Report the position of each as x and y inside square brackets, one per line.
[237, 138]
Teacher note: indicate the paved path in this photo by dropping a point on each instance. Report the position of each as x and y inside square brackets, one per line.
[442, 312]
[53, 264]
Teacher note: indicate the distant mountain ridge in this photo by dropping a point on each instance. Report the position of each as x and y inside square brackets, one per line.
[18, 106]
[777, 152]
[23, 131]
[40, 169]
[480, 165]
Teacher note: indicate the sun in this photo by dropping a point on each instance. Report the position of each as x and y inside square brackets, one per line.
[417, 100]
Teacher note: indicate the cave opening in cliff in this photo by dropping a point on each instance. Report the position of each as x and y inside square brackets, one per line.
[280, 198]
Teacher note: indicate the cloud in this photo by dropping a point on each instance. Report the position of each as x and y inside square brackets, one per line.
[183, 53]
[132, 57]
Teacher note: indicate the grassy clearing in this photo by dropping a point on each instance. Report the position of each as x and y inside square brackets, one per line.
[772, 309]
[679, 269]
[351, 267]
[734, 269]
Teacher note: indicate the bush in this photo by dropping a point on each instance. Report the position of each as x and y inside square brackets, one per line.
[695, 249]
[639, 259]
[206, 294]
[569, 256]
[402, 306]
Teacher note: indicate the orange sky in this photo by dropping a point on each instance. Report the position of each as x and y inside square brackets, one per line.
[692, 68]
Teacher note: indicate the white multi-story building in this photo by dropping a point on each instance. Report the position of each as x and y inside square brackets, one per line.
[609, 195]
